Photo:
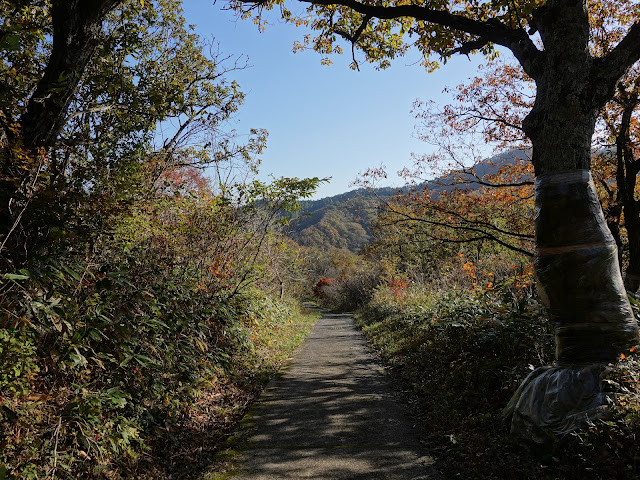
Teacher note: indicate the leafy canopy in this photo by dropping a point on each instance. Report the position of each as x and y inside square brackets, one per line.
[385, 30]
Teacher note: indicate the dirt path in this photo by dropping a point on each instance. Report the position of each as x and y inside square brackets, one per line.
[332, 415]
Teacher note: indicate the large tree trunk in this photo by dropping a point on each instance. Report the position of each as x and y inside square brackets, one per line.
[578, 273]
[576, 259]
[579, 279]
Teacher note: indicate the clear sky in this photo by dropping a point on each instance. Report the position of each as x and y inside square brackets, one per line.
[324, 121]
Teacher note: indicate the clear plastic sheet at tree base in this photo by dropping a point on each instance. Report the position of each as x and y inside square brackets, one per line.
[555, 401]
[579, 280]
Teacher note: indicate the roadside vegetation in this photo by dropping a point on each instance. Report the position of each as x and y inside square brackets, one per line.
[148, 289]
[147, 292]
[462, 341]
[463, 330]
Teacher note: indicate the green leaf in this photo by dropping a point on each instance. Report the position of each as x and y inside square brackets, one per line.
[143, 360]
[15, 276]
[73, 273]
[12, 43]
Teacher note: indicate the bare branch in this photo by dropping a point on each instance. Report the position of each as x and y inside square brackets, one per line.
[96, 109]
[488, 235]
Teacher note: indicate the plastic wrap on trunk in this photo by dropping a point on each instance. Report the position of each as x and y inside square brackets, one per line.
[579, 280]
[577, 272]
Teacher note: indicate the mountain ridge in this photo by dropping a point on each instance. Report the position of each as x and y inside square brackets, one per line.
[343, 221]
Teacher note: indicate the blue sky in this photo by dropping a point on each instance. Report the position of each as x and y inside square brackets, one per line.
[324, 121]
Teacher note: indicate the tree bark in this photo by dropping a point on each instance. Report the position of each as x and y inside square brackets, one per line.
[576, 260]
[77, 25]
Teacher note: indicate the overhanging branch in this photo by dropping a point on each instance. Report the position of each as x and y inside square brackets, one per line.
[491, 31]
[354, 38]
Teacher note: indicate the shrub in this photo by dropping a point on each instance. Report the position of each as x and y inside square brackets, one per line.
[464, 355]
[100, 362]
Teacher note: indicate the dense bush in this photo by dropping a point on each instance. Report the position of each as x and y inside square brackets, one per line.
[347, 294]
[348, 281]
[99, 366]
[110, 338]
[458, 342]
[464, 355]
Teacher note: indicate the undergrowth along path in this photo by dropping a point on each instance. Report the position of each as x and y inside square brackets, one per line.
[331, 414]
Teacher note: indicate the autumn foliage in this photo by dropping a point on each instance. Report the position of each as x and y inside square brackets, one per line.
[138, 291]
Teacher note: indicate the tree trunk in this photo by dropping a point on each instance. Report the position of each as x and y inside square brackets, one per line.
[77, 25]
[576, 260]
[578, 273]
[579, 279]
[626, 178]
[632, 273]
[613, 216]
[631, 211]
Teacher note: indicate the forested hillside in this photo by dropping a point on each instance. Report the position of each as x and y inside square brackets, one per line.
[345, 220]
[341, 221]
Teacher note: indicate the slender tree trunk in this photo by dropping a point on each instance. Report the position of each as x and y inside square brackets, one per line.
[77, 25]
[632, 273]
[626, 178]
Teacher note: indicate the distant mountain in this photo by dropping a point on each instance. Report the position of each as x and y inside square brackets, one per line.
[344, 221]
[482, 169]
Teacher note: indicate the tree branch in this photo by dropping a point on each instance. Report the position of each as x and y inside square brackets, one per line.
[490, 31]
[95, 109]
[463, 220]
[487, 235]
[608, 69]
[354, 38]
[467, 47]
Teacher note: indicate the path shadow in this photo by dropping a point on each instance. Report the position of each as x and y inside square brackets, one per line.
[332, 415]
